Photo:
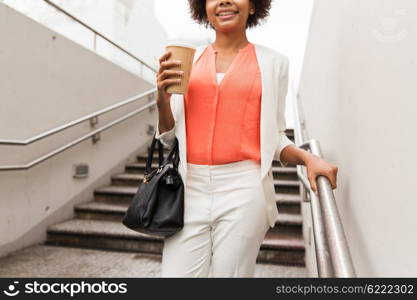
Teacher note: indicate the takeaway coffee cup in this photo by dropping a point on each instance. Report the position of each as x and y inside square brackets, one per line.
[183, 52]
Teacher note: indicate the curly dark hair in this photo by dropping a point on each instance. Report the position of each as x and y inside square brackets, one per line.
[198, 12]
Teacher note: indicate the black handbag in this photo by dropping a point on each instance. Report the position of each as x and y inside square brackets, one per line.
[157, 208]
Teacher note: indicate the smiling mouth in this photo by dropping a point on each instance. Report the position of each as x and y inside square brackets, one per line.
[227, 14]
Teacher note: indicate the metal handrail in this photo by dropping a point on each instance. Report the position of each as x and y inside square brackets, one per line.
[332, 251]
[77, 121]
[338, 245]
[96, 33]
[75, 142]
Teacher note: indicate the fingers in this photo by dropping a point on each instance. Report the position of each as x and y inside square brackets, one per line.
[169, 73]
[162, 84]
[164, 56]
[332, 175]
[166, 78]
[164, 63]
[169, 64]
[165, 74]
[313, 184]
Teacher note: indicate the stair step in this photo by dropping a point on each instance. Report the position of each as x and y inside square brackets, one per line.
[115, 193]
[277, 240]
[289, 220]
[286, 173]
[110, 235]
[130, 190]
[288, 198]
[288, 203]
[283, 248]
[286, 182]
[156, 150]
[139, 167]
[114, 211]
[127, 179]
[287, 169]
[142, 158]
[287, 186]
[101, 207]
[98, 234]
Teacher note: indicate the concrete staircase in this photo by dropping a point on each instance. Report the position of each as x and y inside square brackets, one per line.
[97, 224]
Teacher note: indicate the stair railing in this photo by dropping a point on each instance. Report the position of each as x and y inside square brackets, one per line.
[333, 256]
[94, 134]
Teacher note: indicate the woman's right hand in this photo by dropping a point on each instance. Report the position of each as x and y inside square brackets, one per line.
[162, 77]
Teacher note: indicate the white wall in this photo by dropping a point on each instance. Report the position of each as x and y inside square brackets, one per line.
[46, 80]
[358, 90]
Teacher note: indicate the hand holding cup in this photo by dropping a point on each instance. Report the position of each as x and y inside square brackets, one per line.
[184, 53]
[167, 76]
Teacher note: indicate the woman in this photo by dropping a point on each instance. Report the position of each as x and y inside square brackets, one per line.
[226, 125]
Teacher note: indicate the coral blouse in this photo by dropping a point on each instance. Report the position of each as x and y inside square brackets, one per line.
[223, 119]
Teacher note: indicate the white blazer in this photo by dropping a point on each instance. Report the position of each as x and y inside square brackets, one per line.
[274, 75]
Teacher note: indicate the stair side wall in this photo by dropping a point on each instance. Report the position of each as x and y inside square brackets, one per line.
[47, 80]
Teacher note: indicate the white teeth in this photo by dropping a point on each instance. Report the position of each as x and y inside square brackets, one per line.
[226, 13]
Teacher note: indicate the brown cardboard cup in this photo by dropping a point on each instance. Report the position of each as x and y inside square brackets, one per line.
[185, 54]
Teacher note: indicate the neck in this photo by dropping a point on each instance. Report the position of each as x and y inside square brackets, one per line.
[230, 42]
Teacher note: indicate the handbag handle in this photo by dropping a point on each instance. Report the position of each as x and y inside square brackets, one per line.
[173, 154]
[150, 155]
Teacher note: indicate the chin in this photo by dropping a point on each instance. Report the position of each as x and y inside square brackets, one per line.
[226, 27]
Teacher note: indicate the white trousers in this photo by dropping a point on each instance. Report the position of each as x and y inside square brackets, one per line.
[225, 222]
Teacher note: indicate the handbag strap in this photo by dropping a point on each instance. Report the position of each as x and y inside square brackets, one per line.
[150, 154]
[173, 155]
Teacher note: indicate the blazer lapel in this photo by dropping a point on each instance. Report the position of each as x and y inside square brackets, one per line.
[268, 125]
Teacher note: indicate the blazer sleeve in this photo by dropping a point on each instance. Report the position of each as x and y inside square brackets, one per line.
[167, 138]
[282, 84]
